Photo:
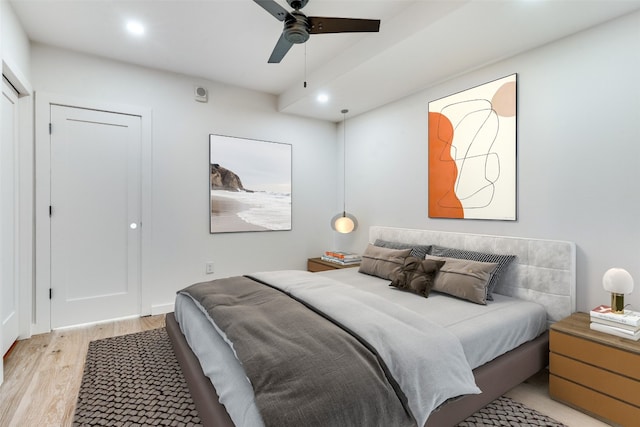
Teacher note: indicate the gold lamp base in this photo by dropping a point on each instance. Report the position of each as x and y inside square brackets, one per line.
[617, 303]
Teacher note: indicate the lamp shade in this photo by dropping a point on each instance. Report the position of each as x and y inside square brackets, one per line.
[617, 281]
[344, 223]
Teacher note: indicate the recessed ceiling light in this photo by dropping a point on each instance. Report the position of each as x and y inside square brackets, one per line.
[323, 98]
[135, 28]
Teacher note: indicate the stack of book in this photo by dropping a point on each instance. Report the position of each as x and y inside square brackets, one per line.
[342, 258]
[625, 325]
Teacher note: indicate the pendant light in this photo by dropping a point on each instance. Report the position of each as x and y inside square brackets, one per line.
[344, 222]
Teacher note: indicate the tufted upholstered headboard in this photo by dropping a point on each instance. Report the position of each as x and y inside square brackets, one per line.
[544, 271]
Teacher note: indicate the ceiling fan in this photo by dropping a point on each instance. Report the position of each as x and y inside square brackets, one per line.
[298, 27]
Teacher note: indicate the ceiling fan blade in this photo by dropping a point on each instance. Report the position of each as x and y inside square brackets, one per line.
[320, 25]
[279, 12]
[282, 47]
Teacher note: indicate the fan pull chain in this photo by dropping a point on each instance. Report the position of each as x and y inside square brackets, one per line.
[305, 65]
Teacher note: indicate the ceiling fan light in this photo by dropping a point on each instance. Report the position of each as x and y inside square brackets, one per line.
[296, 29]
[296, 36]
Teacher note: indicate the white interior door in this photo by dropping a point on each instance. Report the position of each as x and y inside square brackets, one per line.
[95, 215]
[8, 218]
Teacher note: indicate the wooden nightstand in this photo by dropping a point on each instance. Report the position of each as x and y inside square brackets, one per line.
[593, 371]
[317, 264]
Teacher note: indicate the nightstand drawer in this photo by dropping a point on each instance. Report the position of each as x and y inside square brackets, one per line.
[606, 357]
[609, 383]
[318, 264]
[598, 404]
[594, 371]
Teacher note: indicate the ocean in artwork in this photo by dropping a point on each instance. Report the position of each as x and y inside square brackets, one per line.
[262, 210]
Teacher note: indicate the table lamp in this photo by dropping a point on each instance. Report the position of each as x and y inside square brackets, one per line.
[618, 281]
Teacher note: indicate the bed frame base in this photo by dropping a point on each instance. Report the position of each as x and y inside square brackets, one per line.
[494, 378]
[210, 411]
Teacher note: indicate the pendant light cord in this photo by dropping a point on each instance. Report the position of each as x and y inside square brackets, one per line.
[305, 65]
[344, 161]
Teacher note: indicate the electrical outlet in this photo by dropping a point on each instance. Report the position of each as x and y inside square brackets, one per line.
[208, 268]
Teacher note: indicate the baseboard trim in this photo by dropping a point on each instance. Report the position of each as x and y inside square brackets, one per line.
[161, 309]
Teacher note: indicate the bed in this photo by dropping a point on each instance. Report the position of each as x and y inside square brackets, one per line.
[539, 278]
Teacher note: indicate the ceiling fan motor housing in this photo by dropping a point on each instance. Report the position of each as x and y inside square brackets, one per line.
[297, 30]
[297, 4]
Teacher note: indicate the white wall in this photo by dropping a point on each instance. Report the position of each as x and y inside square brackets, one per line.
[578, 154]
[15, 44]
[181, 243]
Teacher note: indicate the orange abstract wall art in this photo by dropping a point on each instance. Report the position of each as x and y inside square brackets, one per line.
[472, 153]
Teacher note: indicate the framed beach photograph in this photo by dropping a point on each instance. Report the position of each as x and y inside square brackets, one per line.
[249, 185]
[472, 152]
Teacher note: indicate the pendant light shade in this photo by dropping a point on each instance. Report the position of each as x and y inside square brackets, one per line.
[344, 222]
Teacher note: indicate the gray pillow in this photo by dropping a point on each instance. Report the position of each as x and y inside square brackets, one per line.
[463, 278]
[417, 251]
[503, 261]
[380, 262]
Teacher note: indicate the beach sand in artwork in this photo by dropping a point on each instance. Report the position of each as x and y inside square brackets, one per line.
[224, 218]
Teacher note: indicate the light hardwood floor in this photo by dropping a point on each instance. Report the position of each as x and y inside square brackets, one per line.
[42, 377]
[534, 393]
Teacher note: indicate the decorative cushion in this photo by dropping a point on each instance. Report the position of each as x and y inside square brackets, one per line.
[464, 278]
[503, 261]
[417, 251]
[380, 262]
[416, 275]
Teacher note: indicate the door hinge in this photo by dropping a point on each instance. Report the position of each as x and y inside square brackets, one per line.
[50, 128]
[50, 293]
[50, 211]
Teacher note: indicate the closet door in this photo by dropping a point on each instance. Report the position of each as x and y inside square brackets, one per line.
[95, 215]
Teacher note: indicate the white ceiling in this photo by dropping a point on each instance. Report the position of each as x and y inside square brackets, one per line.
[420, 43]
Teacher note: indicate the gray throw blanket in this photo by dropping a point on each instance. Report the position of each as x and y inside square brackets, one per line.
[305, 370]
[426, 360]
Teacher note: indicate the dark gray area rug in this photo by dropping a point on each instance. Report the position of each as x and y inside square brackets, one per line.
[135, 380]
[505, 411]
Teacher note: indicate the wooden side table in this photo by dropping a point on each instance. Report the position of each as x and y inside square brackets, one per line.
[594, 371]
[317, 264]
